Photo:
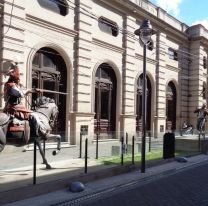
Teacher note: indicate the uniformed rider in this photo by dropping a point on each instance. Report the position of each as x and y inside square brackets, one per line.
[13, 94]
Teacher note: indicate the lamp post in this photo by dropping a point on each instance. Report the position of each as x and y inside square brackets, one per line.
[144, 32]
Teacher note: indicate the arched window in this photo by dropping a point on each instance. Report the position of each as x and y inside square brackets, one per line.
[139, 104]
[57, 6]
[171, 106]
[49, 73]
[108, 26]
[105, 101]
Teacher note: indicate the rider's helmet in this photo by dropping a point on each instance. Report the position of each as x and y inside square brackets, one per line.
[14, 72]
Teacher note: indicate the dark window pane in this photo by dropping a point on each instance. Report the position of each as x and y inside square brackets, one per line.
[57, 6]
[47, 62]
[172, 54]
[108, 26]
[36, 59]
[104, 104]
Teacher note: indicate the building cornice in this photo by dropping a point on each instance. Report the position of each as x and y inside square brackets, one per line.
[49, 25]
[106, 45]
[172, 68]
[133, 9]
[149, 60]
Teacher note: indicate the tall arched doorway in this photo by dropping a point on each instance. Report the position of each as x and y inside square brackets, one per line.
[171, 106]
[139, 105]
[49, 72]
[105, 101]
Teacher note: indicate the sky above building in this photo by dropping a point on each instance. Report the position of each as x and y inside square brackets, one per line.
[189, 12]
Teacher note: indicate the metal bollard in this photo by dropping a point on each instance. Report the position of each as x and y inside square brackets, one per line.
[150, 143]
[97, 137]
[80, 146]
[122, 150]
[133, 150]
[127, 141]
[34, 162]
[86, 152]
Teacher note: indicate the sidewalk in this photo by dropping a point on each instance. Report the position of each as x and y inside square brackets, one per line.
[103, 179]
[16, 168]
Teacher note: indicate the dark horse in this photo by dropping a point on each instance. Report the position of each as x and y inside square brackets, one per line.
[37, 128]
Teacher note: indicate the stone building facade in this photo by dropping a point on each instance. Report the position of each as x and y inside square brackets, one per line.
[88, 50]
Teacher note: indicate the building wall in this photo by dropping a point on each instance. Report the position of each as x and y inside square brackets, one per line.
[83, 46]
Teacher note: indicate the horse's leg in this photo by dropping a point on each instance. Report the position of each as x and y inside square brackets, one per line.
[2, 139]
[42, 155]
[58, 138]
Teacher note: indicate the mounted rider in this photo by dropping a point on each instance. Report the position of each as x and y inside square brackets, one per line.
[13, 94]
[201, 116]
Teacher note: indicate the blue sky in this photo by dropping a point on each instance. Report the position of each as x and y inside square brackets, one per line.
[188, 11]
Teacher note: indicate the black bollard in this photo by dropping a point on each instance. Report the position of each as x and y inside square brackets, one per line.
[80, 146]
[127, 141]
[133, 150]
[97, 137]
[34, 163]
[122, 150]
[86, 152]
[199, 142]
[150, 143]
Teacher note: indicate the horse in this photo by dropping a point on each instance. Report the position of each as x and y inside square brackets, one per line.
[38, 128]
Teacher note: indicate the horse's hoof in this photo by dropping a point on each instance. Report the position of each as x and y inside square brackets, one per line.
[54, 153]
[48, 167]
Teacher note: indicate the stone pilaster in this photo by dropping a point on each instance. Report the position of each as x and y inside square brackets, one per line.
[196, 78]
[82, 69]
[128, 109]
[13, 37]
[160, 117]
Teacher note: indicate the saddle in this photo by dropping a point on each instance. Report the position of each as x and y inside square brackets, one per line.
[16, 125]
[19, 129]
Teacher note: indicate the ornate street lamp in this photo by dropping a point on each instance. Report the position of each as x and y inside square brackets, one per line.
[144, 32]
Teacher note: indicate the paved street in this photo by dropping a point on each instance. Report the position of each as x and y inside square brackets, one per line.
[184, 188]
[173, 183]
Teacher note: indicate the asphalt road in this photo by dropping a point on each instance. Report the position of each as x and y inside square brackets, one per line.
[184, 188]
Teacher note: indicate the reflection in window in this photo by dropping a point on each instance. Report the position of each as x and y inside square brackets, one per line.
[108, 26]
[57, 6]
[172, 54]
[48, 62]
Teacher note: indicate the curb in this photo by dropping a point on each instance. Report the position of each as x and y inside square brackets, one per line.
[43, 188]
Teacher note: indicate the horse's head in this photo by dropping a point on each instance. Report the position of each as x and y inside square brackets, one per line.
[48, 107]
